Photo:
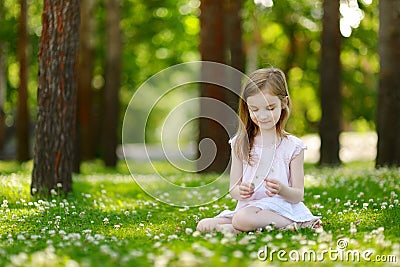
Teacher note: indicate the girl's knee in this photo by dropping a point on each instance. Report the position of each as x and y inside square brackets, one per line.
[241, 222]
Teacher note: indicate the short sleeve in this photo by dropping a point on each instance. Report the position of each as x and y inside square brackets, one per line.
[298, 146]
[232, 141]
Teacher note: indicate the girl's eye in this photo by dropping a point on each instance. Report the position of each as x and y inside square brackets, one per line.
[270, 108]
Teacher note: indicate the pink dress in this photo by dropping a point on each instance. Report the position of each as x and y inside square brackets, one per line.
[285, 151]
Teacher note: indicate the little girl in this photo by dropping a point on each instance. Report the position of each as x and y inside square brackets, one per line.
[267, 176]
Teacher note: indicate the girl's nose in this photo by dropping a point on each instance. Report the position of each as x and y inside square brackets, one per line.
[264, 115]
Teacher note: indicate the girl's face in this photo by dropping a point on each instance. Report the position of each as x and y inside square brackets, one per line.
[264, 109]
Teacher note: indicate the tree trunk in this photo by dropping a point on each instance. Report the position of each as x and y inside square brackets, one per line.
[234, 34]
[3, 83]
[212, 48]
[55, 128]
[22, 108]
[330, 85]
[112, 82]
[220, 36]
[85, 143]
[388, 120]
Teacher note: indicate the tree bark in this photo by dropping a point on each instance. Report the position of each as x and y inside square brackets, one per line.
[55, 128]
[388, 110]
[22, 121]
[112, 82]
[330, 85]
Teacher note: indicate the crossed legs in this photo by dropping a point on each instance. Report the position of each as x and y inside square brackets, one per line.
[247, 219]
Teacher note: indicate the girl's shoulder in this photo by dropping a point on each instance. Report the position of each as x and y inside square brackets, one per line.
[294, 140]
[232, 140]
[292, 146]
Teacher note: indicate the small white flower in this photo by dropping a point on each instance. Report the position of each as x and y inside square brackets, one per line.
[279, 236]
[196, 234]
[237, 254]
[59, 185]
[62, 233]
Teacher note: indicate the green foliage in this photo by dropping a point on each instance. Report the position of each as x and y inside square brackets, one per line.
[109, 221]
[290, 39]
[158, 34]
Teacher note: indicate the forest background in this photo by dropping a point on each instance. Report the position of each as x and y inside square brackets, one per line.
[159, 34]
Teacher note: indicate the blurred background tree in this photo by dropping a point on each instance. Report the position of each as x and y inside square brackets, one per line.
[388, 120]
[330, 84]
[157, 34]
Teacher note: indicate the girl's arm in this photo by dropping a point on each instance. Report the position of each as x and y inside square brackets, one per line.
[295, 193]
[236, 177]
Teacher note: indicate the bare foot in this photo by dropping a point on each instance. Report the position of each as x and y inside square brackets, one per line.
[312, 224]
[290, 227]
[227, 228]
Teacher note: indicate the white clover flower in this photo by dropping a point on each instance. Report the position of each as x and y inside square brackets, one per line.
[172, 237]
[269, 228]
[353, 228]
[117, 226]
[35, 237]
[59, 185]
[19, 260]
[105, 221]
[196, 234]
[237, 254]
[188, 231]
[62, 233]
[86, 231]
[279, 236]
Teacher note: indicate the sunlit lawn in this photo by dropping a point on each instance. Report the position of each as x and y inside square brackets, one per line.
[109, 221]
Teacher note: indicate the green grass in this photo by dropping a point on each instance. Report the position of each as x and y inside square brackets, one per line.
[109, 221]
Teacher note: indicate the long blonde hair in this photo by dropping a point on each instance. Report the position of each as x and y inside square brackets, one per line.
[268, 79]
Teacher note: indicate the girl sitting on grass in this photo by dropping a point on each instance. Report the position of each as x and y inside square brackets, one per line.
[267, 175]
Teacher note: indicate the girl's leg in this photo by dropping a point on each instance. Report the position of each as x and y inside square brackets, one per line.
[212, 224]
[252, 218]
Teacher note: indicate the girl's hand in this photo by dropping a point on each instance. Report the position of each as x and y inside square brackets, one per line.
[273, 187]
[246, 190]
